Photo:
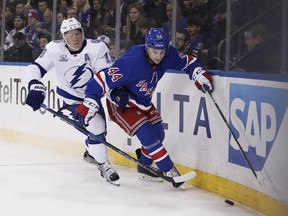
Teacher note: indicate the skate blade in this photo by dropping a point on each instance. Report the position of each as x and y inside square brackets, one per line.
[145, 177]
[116, 183]
[182, 187]
[186, 177]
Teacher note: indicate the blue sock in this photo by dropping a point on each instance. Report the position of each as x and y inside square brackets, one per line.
[149, 138]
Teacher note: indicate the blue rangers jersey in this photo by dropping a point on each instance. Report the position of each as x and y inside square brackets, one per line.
[135, 73]
[72, 70]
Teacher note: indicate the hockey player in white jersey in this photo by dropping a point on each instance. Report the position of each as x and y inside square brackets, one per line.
[75, 59]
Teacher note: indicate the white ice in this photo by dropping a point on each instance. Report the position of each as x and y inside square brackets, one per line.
[39, 182]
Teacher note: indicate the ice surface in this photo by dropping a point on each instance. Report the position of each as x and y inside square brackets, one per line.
[40, 182]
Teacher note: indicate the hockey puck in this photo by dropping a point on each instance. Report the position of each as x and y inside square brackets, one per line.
[229, 202]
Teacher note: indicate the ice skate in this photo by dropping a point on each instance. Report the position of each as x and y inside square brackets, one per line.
[106, 171]
[88, 158]
[145, 174]
[174, 173]
[109, 173]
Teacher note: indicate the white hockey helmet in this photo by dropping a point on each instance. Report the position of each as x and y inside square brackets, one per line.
[70, 24]
[105, 39]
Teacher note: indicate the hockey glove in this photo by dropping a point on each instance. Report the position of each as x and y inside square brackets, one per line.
[36, 94]
[202, 79]
[87, 110]
[120, 96]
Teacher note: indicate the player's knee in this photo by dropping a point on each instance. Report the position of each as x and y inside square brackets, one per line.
[97, 125]
[160, 131]
[147, 134]
[94, 141]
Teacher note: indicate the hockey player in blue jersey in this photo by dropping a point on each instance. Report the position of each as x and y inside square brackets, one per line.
[130, 83]
[75, 59]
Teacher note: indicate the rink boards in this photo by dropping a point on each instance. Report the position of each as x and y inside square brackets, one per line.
[197, 138]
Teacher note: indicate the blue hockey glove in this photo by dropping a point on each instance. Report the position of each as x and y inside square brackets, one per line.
[120, 96]
[87, 110]
[36, 94]
[202, 79]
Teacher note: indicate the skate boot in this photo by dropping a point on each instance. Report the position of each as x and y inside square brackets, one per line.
[145, 174]
[173, 173]
[106, 171]
[109, 173]
[88, 158]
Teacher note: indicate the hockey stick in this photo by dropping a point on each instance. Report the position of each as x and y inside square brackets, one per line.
[176, 180]
[226, 122]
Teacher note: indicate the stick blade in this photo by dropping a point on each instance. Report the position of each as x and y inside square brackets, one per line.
[186, 177]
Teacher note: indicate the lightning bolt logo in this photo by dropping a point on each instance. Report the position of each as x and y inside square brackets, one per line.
[77, 74]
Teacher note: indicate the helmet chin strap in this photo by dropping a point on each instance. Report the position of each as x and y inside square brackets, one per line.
[72, 48]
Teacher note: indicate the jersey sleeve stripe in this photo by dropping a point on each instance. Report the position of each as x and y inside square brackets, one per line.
[42, 70]
[101, 80]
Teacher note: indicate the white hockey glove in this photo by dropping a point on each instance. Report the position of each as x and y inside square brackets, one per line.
[202, 79]
[87, 110]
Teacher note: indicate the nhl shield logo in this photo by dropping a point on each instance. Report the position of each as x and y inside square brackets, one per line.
[63, 58]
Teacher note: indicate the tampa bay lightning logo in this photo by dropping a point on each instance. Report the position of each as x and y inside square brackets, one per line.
[78, 76]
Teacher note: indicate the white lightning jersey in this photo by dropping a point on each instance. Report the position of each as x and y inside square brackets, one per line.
[72, 70]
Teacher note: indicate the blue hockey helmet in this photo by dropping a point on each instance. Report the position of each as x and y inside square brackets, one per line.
[157, 38]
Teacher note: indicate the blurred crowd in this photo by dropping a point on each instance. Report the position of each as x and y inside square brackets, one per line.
[200, 28]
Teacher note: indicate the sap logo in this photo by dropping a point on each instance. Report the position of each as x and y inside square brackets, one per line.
[256, 115]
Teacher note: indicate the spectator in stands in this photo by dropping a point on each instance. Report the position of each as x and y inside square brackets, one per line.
[63, 6]
[145, 24]
[218, 34]
[43, 40]
[60, 17]
[9, 17]
[31, 30]
[196, 44]
[112, 48]
[109, 19]
[181, 20]
[27, 8]
[72, 12]
[132, 29]
[182, 41]
[195, 7]
[156, 9]
[19, 8]
[97, 16]
[42, 7]
[19, 26]
[258, 56]
[47, 21]
[218, 27]
[124, 8]
[20, 51]
[199, 8]
[84, 10]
